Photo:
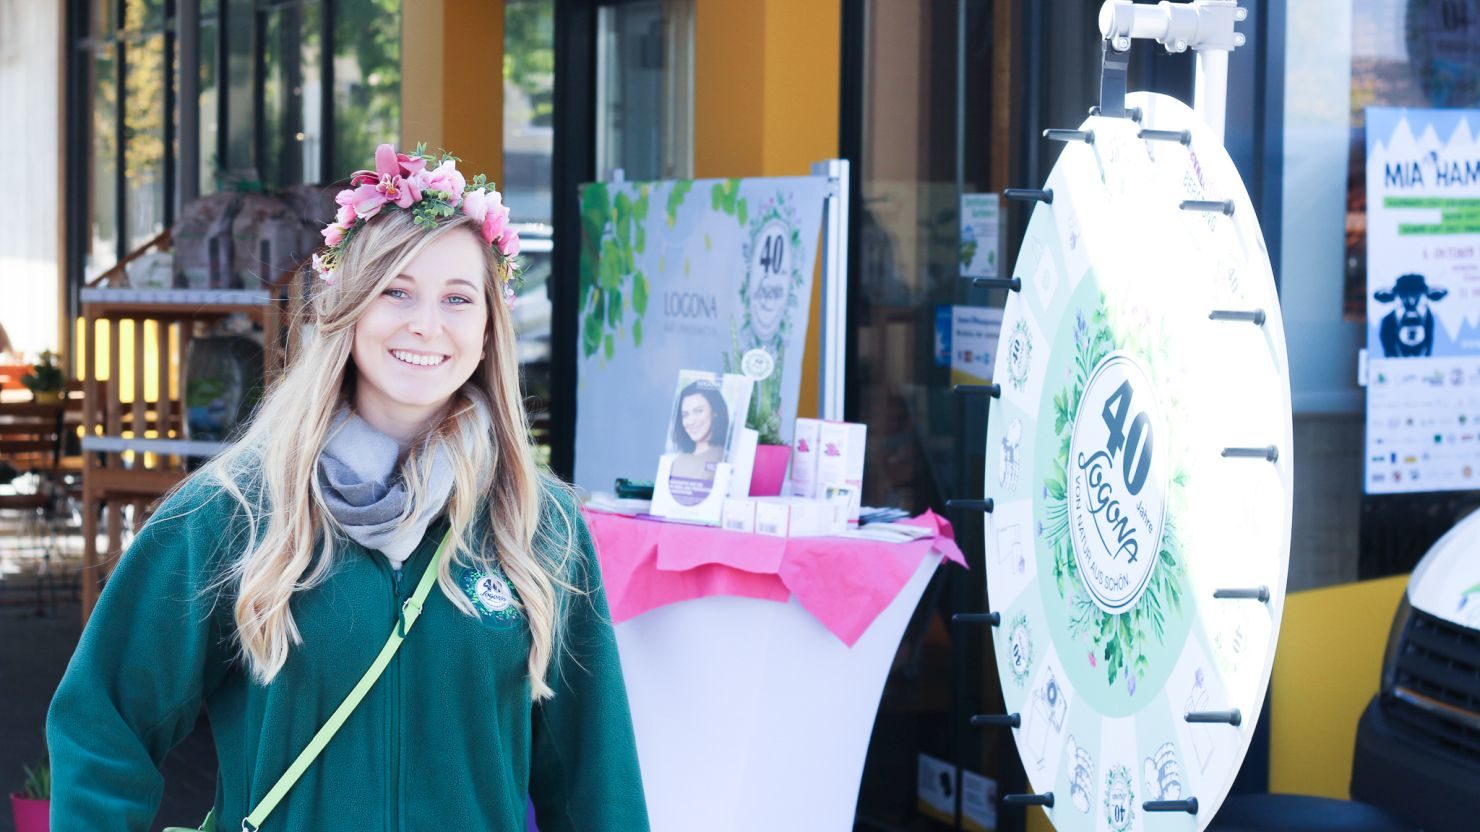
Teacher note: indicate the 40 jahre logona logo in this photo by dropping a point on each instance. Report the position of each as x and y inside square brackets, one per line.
[1107, 515]
[1120, 799]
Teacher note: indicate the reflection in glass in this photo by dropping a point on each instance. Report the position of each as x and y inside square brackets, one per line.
[629, 89]
[529, 105]
[291, 95]
[144, 138]
[103, 220]
[367, 81]
[142, 14]
[209, 98]
[238, 67]
[104, 20]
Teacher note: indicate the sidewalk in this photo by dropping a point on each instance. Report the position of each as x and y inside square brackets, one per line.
[34, 651]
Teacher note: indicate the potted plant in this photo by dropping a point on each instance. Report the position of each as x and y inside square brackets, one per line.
[772, 454]
[31, 806]
[46, 381]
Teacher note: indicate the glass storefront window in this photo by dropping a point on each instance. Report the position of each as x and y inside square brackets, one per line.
[141, 14]
[630, 100]
[238, 66]
[104, 18]
[529, 143]
[367, 80]
[144, 138]
[209, 103]
[529, 105]
[291, 97]
[102, 250]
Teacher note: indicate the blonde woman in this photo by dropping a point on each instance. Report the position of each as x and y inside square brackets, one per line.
[266, 586]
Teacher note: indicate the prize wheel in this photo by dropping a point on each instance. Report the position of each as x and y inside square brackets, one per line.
[1139, 464]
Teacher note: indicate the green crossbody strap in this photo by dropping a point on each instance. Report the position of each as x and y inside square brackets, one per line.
[410, 611]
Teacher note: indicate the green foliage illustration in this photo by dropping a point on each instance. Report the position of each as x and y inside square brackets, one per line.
[612, 235]
[725, 197]
[676, 196]
[1117, 641]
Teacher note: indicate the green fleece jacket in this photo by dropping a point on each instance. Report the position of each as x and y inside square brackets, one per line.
[447, 739]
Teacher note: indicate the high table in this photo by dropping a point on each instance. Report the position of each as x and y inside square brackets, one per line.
[755, 712]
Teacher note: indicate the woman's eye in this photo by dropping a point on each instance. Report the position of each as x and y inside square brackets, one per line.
[459, 300]
[395, 293]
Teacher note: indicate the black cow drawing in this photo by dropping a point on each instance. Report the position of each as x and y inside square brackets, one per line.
[1408, 330]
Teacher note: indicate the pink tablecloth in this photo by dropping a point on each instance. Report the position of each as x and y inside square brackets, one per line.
[844, 582]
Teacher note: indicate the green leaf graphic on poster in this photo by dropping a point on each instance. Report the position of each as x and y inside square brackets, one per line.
[725, 197]
[612, 235]
[639, 295]
[675, 199]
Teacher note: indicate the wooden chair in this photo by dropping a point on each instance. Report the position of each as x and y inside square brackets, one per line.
[40, 444]
[135, 451]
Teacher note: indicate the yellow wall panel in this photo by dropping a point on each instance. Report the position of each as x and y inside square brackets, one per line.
[1326, 670]
[766, 99]
[452, 87]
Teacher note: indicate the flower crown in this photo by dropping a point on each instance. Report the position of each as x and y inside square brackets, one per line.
[430, 187]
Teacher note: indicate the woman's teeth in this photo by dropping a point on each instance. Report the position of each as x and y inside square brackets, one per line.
[419, 360]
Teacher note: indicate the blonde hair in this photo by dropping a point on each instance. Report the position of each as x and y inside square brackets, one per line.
[272, 473]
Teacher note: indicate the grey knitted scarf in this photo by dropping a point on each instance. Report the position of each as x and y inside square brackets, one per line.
[366, 493]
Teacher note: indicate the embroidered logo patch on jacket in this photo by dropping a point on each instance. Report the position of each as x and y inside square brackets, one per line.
[491, 593]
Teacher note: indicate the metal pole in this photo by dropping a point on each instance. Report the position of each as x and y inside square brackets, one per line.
[834, 317]
[1206, 26]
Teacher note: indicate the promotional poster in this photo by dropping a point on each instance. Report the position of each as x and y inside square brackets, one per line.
[713, 275]
[1423, 300]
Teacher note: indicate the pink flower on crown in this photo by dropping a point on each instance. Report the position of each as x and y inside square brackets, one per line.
[445, 178]
[496, 218]
[475, 204]
[333, 234]
[508, 244]
[392, 181]
[346, 215]
[326, 273]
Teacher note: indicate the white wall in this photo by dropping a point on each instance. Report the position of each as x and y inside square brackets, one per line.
[30, 87]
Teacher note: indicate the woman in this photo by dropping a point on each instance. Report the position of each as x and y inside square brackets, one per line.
[266, 584]
[699, 430]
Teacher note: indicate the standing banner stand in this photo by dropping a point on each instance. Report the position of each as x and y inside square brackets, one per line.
[1138, 491]
[700, 274]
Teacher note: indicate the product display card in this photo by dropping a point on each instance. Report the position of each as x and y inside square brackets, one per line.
[703, 429]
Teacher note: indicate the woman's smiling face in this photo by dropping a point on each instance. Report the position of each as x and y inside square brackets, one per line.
[698, 417]
[423, 337]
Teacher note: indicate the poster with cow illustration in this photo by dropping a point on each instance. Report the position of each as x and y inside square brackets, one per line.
[1423, 300]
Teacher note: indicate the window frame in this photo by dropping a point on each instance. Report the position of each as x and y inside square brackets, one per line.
[181, 108]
